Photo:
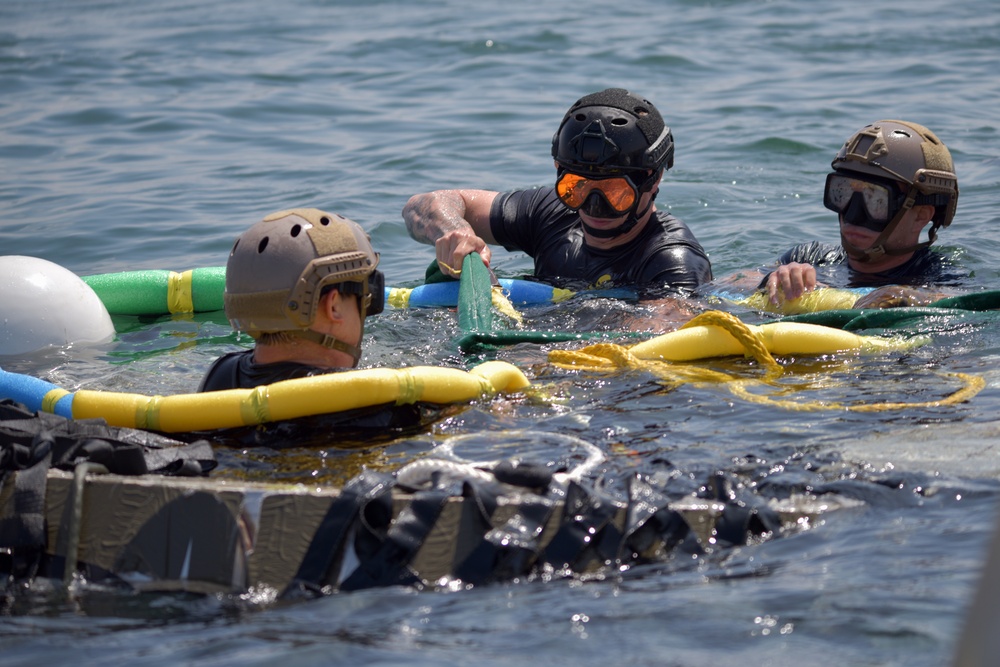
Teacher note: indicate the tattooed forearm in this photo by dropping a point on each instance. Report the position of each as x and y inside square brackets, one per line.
[428, 216]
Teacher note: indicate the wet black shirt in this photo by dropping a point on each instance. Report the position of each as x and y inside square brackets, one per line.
[924, 268]
[665, 255]
[238, 370]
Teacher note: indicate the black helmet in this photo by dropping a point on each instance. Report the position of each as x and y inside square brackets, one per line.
[612, 131]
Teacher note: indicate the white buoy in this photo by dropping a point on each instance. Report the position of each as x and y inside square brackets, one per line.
[45, 305]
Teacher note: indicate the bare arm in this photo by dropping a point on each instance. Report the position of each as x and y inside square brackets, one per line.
[898, 296]
[456, 222]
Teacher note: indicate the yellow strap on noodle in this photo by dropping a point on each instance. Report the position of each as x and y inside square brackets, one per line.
[255, 408]
[399, 297]
[410, 388]
[147, 414]
[52, 397]
[559, 295]
[180, 295]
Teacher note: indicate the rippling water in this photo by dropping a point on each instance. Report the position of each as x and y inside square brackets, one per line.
[148, 135]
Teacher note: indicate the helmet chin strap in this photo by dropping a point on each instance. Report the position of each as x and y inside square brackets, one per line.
[878, 250]
[624, 228]
[333, 343]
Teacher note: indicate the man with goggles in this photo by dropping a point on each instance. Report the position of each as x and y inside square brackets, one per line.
[891, 180]
[597, 226]
[300, 283]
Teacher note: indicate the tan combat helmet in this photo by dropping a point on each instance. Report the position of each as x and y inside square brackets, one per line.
[278, 268]
[911, 155]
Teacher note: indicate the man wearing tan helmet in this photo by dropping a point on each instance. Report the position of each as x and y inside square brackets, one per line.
[301, 283]
[890, 180]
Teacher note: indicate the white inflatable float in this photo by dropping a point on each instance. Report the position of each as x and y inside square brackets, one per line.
[45, 305]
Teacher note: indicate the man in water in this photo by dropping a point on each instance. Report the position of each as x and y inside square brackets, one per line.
[890, 180]
[301, 283]
[597, 226]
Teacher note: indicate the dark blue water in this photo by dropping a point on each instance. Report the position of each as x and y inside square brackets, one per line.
[148, 135]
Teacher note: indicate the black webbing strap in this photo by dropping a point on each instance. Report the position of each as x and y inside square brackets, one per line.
[192, 459]
[586, 531]
[23, 532]
[122, 451]
[388, 565]
[651, 527]
[740, 519]
[366, 499]
[509, 550]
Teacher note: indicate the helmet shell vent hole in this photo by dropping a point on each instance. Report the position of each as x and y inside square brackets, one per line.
[324, 221]
[619, 121]
[262, 245]
[295, 230]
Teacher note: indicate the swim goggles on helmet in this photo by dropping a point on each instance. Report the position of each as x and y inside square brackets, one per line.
[620, 192]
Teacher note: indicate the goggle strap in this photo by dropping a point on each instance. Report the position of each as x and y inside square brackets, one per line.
[878, 250]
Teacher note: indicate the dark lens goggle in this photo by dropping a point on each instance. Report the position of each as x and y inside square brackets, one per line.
[619, 191]
[376, 288]
[880, 201]
[376, 291]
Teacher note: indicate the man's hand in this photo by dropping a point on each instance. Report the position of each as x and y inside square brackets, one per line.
[790, 281]
[895, 296]
[452, 248]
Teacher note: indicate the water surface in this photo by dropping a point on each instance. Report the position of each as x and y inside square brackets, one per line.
[136, 135]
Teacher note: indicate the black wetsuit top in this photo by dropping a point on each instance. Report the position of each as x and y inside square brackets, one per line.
[238, 370]
[665, 254]
[924, 268]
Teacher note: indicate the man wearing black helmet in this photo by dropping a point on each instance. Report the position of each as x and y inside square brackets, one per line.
[597, 226]
[890, 180]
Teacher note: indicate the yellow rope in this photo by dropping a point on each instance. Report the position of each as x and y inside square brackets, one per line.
[603, 357]
[973, 384]
[751, 342]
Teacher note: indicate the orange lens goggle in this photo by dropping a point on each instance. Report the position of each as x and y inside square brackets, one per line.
[574, 189]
